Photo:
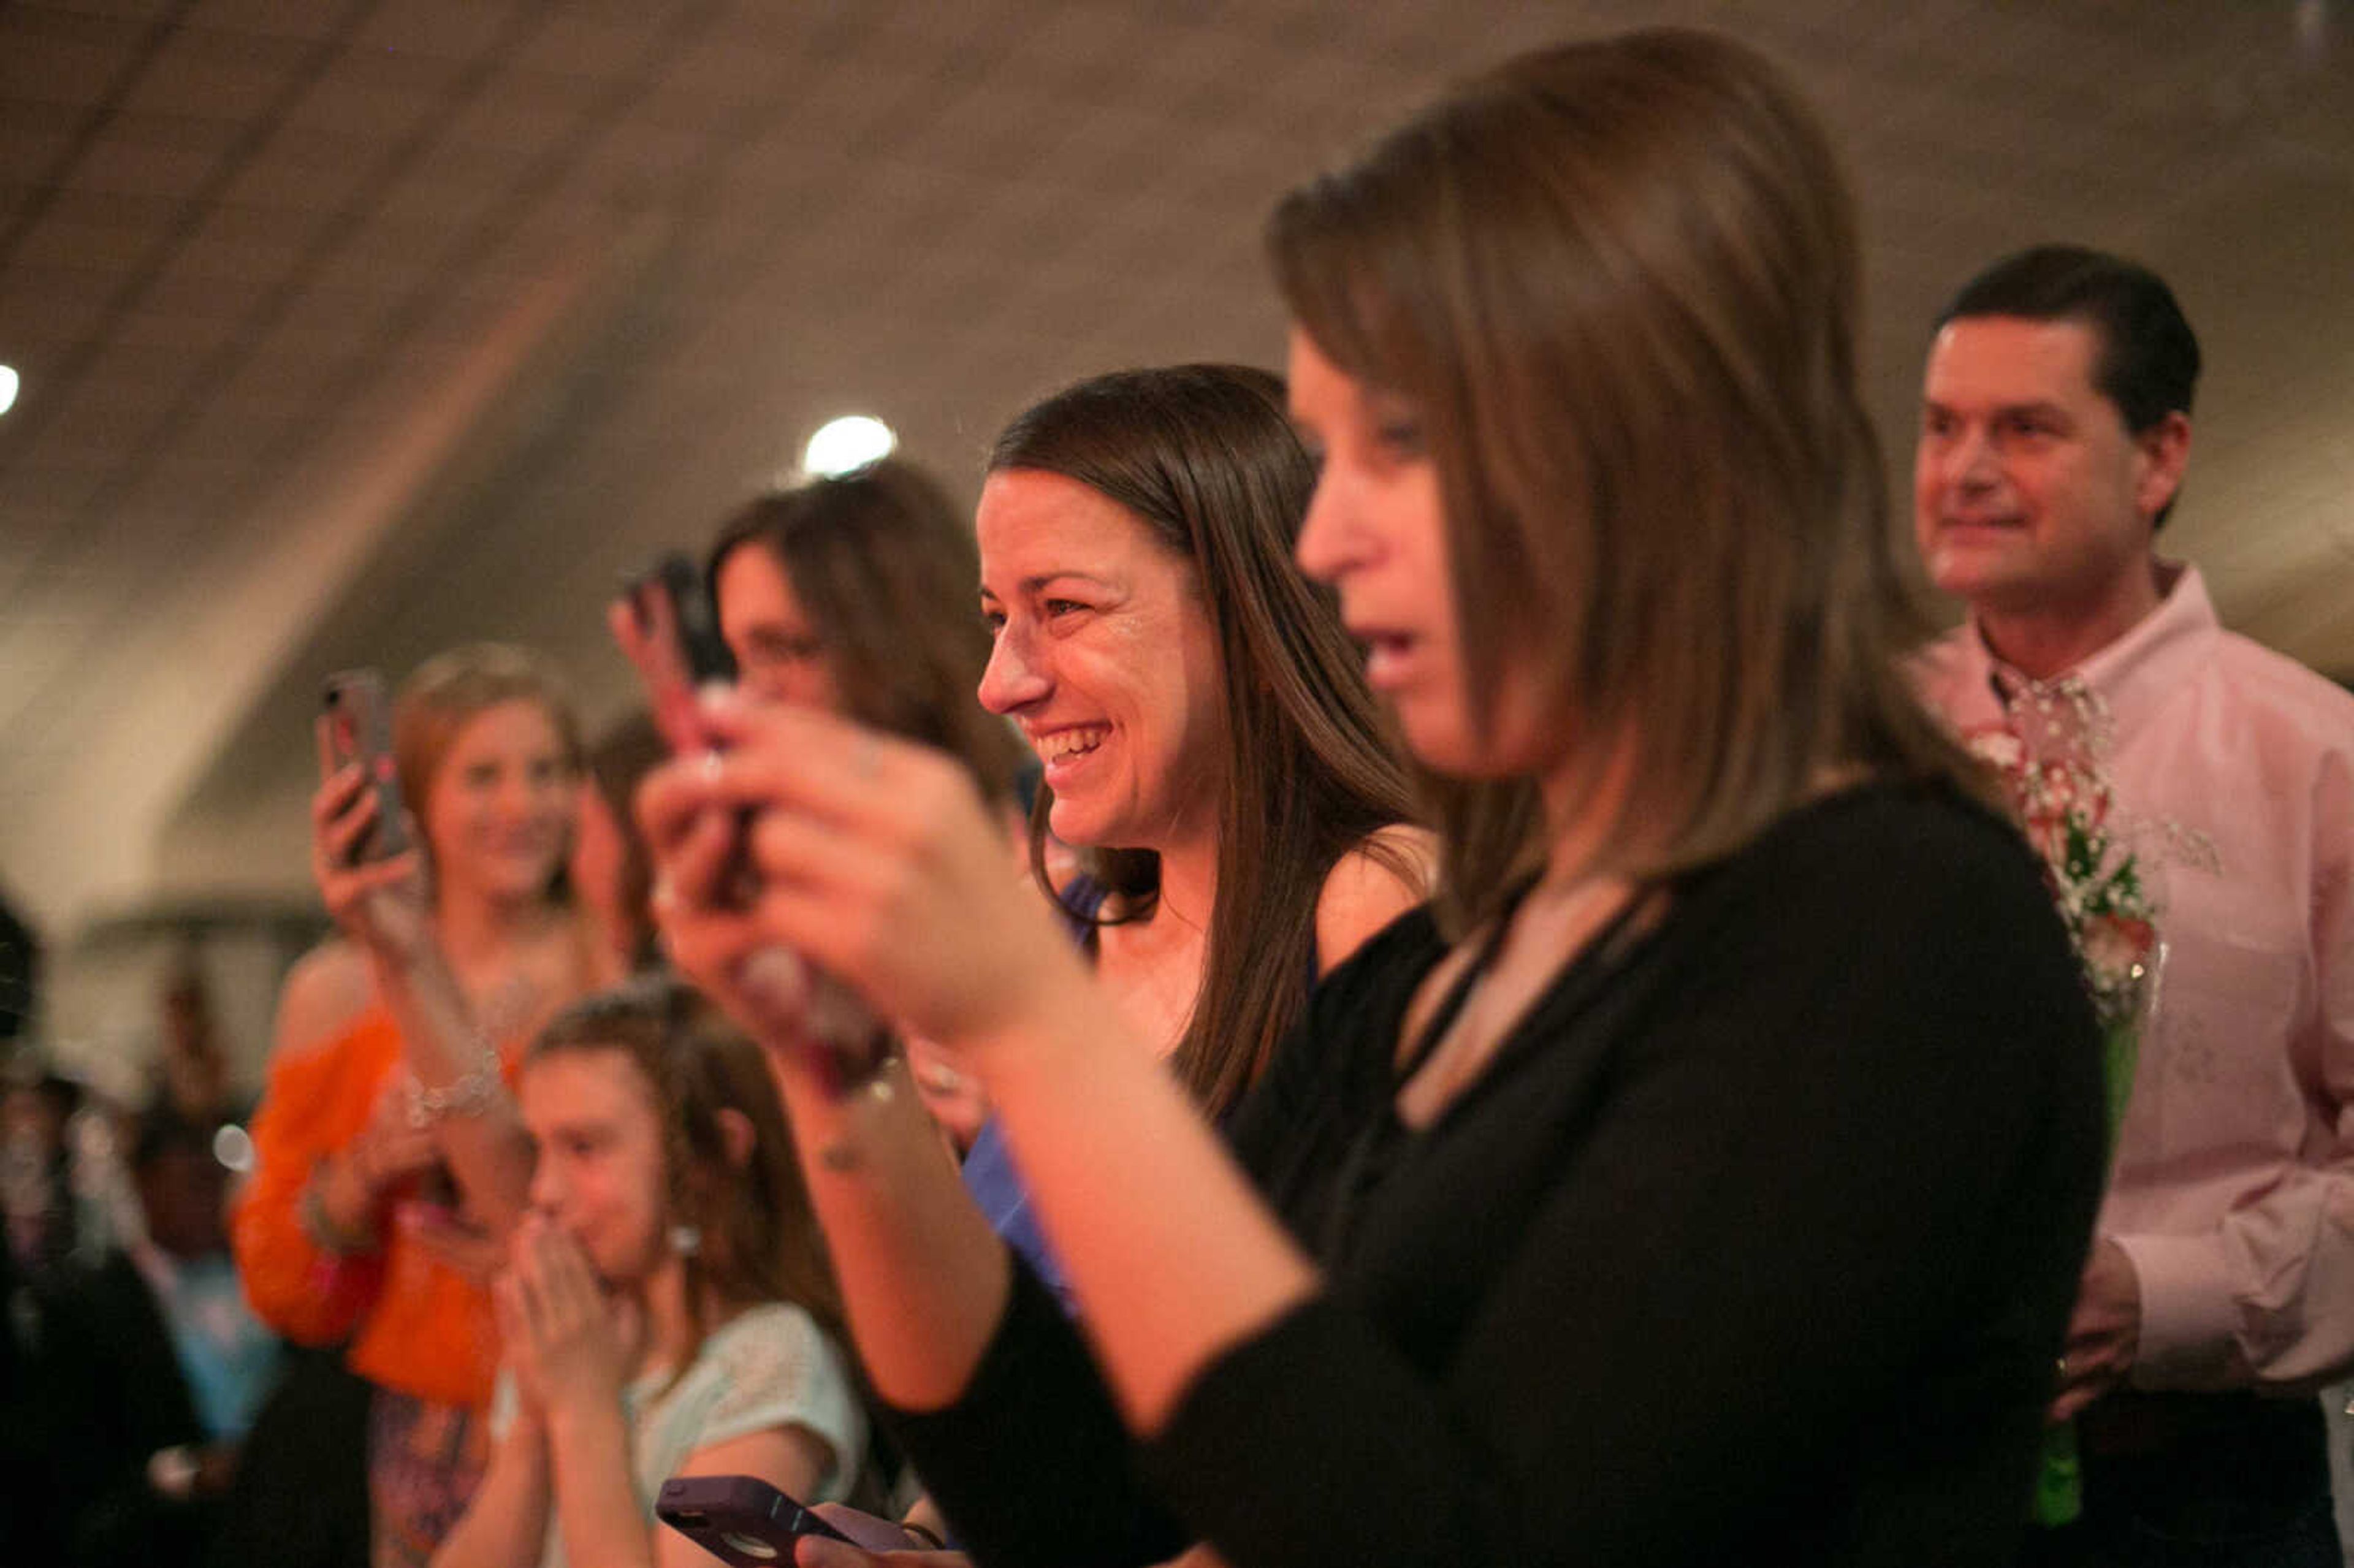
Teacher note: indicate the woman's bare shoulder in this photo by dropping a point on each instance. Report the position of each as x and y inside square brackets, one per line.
[1387, 873]
[325, 992]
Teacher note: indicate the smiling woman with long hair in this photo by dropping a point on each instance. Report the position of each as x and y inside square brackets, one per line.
[1210, 746]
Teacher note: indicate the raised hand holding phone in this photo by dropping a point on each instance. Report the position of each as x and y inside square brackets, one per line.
[363, 855]
[667, 626]
[356, 728]
[877, 859]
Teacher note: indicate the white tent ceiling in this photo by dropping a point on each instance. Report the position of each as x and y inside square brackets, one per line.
[352, 330]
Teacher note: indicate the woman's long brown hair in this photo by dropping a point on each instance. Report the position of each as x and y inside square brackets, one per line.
[884, 565]
[1619, 280]
[1204, 457]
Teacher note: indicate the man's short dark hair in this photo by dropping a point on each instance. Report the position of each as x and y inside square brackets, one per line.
[2149, 360]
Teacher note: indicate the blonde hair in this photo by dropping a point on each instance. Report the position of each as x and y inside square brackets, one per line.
[450, 689]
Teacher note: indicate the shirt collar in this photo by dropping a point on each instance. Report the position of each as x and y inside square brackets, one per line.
[2137, 674]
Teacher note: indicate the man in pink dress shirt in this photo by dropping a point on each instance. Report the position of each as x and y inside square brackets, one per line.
[2220, 1293]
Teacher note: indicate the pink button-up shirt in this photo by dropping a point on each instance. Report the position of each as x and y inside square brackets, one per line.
[2234, 1193]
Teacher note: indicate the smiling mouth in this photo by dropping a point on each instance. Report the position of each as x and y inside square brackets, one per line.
[1065, 743]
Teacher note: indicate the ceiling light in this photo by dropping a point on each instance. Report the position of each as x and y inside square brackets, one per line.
[233, 1147]
[845, 445]
[8, 384]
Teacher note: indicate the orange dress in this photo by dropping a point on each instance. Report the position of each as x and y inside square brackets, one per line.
[415, 1327]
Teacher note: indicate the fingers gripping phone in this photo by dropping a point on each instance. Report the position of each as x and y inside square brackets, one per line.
[677, 648]
[357, 723]
[738, 1519]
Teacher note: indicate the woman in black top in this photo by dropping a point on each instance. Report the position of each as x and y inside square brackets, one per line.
[1704, 1176]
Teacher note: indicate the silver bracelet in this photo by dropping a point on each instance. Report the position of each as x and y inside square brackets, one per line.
[469, 1094]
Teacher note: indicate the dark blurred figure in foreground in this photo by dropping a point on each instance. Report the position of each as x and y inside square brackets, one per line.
[20, 955]
[155, 1368]
[38, 1108]
[300, 1498]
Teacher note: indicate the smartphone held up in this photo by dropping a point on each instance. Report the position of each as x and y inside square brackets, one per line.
[668, 625]
[356, 726]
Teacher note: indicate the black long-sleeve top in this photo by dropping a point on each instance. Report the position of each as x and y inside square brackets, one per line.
[1755, 1243]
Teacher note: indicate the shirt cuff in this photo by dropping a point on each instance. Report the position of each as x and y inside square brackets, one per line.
[2190, 1315]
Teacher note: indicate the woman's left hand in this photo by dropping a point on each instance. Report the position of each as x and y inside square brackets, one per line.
[572, 1347]
[874, 858]
[382, 905]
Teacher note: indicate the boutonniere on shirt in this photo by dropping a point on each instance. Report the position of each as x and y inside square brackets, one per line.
[2048, 757]
[2063, 802]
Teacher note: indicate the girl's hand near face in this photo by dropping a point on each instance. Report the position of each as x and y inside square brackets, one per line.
[570, 1346]
[874, 857]
[515, 1348]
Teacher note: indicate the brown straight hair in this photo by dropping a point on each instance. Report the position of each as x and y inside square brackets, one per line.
[759, 1237]
[1204, 457]
[884, 565]
[1619, 280]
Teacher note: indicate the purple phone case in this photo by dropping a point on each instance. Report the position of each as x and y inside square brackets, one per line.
[738, 1519]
